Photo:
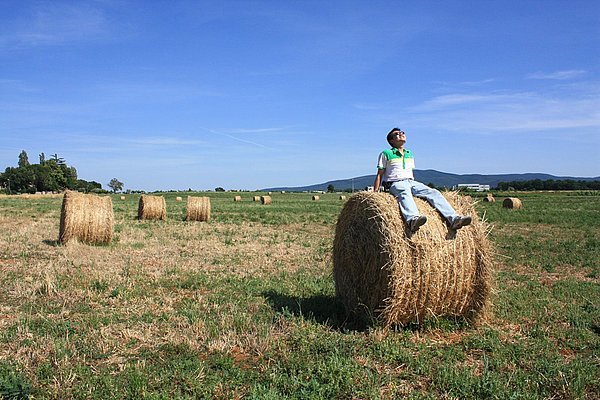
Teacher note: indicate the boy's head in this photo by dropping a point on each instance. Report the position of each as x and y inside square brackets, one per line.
[394, 135]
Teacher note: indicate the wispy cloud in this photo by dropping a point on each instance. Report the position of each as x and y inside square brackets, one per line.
[55, 23]
[558, 75]
[236, 138]
[509, 112]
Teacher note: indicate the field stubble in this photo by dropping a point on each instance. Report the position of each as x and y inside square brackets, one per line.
[243, 306]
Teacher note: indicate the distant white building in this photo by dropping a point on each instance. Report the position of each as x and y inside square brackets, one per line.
[471, 186]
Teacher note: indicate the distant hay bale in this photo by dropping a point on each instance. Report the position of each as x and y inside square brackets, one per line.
[152, 207]
[237, 198]
[256, 198]
[269, 193]
[179, 198]
[342, 197]
[315, 198]
[512, 202]
[382, 274]
[87, 218]
[122, 197]
[198, 209]
[283, 192]
[490, 198]
[266, 200]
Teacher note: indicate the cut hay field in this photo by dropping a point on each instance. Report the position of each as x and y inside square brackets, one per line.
[243, 306]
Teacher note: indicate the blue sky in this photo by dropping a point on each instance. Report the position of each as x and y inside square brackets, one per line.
[252, 94]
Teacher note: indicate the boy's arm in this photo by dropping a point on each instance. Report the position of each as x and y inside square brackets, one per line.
[378, 177]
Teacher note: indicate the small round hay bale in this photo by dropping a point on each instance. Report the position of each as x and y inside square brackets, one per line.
[266, 200]
[256, 198]
[87, 218]
[342, 197]
[152, 207]
[179, 198]
[122, 197]
[237, 198]
[315, 198]
[490, 199]
[382, 274]
[198, 209]
[512, 202]
[269, 193]
[283, 192]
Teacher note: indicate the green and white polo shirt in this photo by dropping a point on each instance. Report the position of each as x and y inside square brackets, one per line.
[397, 164]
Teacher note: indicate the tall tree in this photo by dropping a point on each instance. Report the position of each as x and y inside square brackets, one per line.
[115, 185]
[23, 159]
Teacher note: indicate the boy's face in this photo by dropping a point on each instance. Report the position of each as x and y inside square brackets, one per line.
[397, 139]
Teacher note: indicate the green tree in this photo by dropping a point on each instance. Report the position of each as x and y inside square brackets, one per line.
[115, 185]
[23, 159]
[330, 188]
[219, 189]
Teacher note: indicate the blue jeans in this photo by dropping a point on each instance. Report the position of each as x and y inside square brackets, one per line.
[406, 189]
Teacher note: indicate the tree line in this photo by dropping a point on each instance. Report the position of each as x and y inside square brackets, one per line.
[549, 184]
[50, 175]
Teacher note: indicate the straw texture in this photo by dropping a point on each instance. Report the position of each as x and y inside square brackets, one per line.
[512, 202]
[198, 209]
[87, 218]
[381, 274]
[265, 200]
[152, 207]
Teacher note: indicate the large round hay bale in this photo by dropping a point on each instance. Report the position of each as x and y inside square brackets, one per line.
[178, 198]
[490, 198]
[256, 198]
[382, 274]
[342, 197]
[512, 202]
[87, 218]
[198, 209]
[266, 200]
[315, 198]
[237, 198]
[152, 207]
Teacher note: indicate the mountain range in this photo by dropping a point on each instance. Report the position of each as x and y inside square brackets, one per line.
[427, 176]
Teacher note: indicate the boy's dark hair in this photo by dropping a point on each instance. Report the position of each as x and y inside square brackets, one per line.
[389, 135]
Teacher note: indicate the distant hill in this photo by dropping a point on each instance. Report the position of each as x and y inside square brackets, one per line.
[439, 179]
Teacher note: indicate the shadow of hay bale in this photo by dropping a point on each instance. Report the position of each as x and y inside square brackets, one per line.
[324, 310]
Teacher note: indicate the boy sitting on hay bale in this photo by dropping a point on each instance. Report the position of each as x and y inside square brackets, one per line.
[395, 172]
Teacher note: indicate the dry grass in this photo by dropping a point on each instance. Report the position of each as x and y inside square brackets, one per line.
[65, 275]
[87, 218]
[152, 207]
[198, 208]
[266, 200]
[512, 202]
[380, 272]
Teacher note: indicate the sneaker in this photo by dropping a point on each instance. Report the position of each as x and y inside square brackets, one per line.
[460, 221]
[415, 223]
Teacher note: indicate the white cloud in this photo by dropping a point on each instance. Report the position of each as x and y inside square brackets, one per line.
[508, 112]
[558, 75]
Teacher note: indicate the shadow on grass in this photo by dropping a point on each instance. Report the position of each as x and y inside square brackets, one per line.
[328, 311]
[324, 310]
[53, 243]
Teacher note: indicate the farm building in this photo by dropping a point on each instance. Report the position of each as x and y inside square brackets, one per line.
[471, 186]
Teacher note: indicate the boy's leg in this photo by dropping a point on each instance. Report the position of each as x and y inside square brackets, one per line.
[403, 192]
[435, 198]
